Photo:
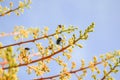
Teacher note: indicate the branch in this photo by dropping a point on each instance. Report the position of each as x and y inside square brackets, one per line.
[109, 72]
[43, 58]
[33, 40]
[9, 11]
[72, 72]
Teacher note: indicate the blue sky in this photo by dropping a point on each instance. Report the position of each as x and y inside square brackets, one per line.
[105, 14]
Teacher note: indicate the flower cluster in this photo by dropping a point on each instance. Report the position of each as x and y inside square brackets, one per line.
[17, 11]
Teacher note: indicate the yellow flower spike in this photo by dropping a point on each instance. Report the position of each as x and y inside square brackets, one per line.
[94, 76]
[24, 33]
[98, 71]
[5, 9]
[84, 72]
[68, 56]
[108, 55]
[1, 44]
[1, 70]
[11, 4]
[58, 47]
[64, 70]
[105, 63]
[73, 65]
[56, 36]
[105, 71]
[17, 13]
[46, 29]
[63, 27]
[79, 45]
[64, 65]
[70, 49]
[60, 62]
[48, 60]
[71, 41]
[95, 59]
[50, 41]
[113, 60]
[82, 63]
[119, 53]
[22, 10]
[92, 66]
[21, 4]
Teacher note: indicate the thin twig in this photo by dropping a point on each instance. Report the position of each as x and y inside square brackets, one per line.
[43, 58]
[9, 11]
[74, 71]
[54, 76]
[104, 77]
[33, 40]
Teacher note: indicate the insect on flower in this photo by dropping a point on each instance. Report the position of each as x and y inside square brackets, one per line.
[60, 26]
[27, 48]
[58, 40]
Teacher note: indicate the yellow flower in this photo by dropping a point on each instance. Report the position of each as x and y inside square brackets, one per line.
[119, 53]
[58, 47]
[46, 29]
[95, 59]
[68, 56]
[1, 44]
[79, 45]
[24, 33]
[82, 63]
[56, 36]
[29, 1]
[73, 65]
[108, 55]
[11, 4]
[98, 71]
[65, 75]
[22, 10]
[21, 4]
[1, 70]
[45, 68]
[105, 71]
[92, 66]
[105, 63]
[94, 76]
[5, 9]
[71, 41]
[70, 49]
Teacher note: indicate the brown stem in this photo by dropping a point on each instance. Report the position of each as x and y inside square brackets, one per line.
[43, 58]
[109, 72]
[32, 40]
[54, 76]
[75, 71]
[9, 11]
